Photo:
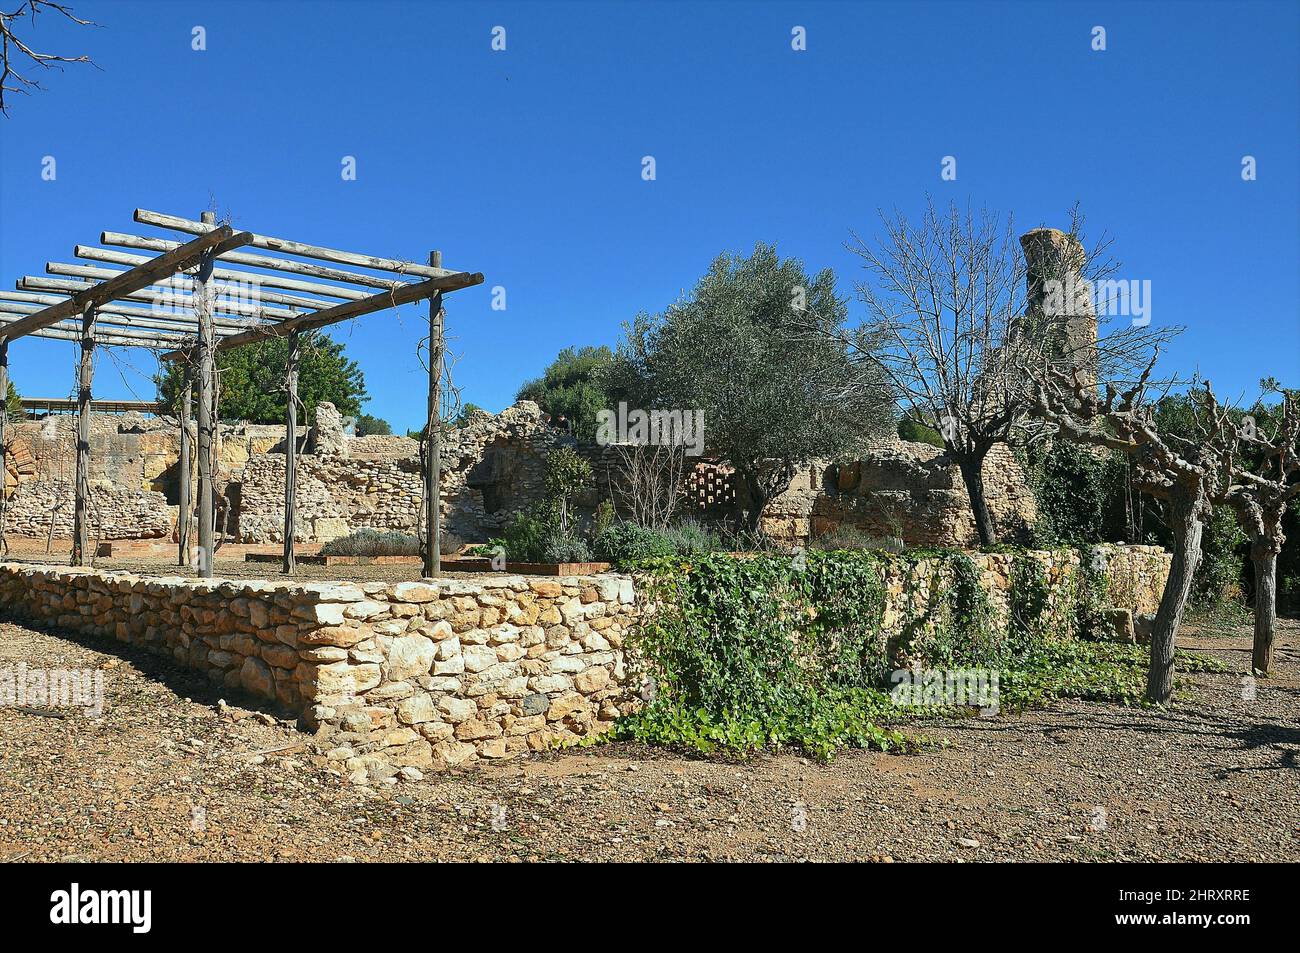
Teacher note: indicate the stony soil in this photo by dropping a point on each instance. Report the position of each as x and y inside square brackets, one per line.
[167, 774]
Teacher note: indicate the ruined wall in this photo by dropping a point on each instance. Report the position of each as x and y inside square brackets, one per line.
[905, 490]
[443, 672]
[114, 513]
[491, 468]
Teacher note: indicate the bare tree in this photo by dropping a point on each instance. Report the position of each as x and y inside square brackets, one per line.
[955, 313]
[1259, 497]
[1185, 475]
[15, 52]
[651, 481]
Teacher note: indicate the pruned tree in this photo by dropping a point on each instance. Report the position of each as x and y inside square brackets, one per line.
[1185, 475]
[955, 313]
[16, 54]
[1259, 477]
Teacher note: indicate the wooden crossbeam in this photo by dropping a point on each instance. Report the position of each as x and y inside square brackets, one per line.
[349, 309]
[162, 220]
[164, 297]
[24, 302]
[182, 324]
[91, 253]
[153, 343]
[288, 265]
[220, 238]
[252, 288]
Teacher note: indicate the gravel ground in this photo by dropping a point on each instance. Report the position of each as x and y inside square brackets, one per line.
[167, 774]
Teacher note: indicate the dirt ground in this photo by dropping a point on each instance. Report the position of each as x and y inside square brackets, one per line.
[168, 774]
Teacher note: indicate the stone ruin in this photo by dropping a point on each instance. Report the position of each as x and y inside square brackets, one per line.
[495, 466]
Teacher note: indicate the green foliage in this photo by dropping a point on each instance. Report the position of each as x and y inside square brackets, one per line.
[466, 411]
[767, 650]
[368, 426]
[626, 544]
[1080, 495]
[770, 650]
[527, 534]
[1219, 575]
[574, 387]
[370, 542]
[1092, 671]
[917, 432]
[739, 349]
[13, 404]
[252, 380]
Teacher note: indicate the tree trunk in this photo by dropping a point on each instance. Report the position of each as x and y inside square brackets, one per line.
[972, 474]
[757, 497]
[1264, 555]
[1186, 521]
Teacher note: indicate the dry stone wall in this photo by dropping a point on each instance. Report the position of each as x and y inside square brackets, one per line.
[439, 673]
[415, 674]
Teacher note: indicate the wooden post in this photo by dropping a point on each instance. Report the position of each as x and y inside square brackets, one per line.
[186, 501]
[203, 310]
[433, 436]
[81, 550]
[4, 419]
[290, 453]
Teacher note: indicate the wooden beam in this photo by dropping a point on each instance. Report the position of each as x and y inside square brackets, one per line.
[182, 324]
[171, 299]
[311, 269]
[91, 253]
[349, 309]
[114, 336]
[291, 454]
[186, 509]
[162, 220]
[252, 289]
[433, 438]
[81, 549]
[4, 419]
[218, 239]
[207, 414]
[183, 317]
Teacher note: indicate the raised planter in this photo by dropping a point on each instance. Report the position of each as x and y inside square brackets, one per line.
[318, 560]
[449, 563]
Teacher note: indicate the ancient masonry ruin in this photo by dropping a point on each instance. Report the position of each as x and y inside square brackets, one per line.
[492, 467]
[444, 672]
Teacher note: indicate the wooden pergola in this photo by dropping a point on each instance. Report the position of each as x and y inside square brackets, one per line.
[194, 306]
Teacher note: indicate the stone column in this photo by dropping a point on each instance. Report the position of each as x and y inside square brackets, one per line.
[1059, 303]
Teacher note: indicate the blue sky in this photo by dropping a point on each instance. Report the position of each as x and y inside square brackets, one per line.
[526, 164]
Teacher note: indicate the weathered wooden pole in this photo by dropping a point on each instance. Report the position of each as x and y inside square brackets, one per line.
[291, 453]
[4, 419]
[186, 500]
[433, 436]
[203, 309]
[81, 551]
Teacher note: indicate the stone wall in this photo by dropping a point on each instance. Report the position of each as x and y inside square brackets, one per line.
[444, 672]
[906, 490]
[419, 674]
[491, 468]
[114, 513]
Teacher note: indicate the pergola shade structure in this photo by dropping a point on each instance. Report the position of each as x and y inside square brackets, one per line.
[179, 299]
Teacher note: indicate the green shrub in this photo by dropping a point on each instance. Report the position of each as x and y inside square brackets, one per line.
[626, 544]
[1079, 494]
[527, 534]
[559, 549]
[370, 542]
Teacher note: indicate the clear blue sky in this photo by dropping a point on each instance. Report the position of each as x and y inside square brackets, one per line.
[526, 164]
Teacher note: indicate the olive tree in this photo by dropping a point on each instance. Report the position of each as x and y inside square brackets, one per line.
[772, 397]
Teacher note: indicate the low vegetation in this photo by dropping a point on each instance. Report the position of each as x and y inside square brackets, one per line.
[770, 650]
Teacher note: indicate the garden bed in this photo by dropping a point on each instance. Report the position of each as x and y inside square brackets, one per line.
[319, 560]
[450, 563]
